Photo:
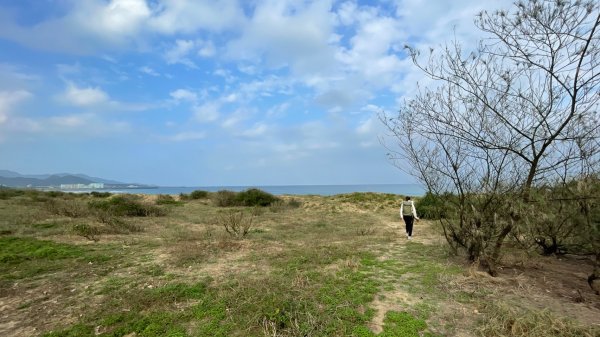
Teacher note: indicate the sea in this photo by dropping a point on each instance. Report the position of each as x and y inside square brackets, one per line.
[323, 190]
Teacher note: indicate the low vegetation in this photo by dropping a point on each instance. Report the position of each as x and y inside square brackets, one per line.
[125, 265]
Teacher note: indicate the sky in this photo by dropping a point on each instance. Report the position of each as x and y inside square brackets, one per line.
[214, 92]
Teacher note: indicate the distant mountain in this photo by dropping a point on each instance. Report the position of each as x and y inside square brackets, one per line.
[15, 179]
[9, 174]
[12, 174]
[94, 179]
[54, 180]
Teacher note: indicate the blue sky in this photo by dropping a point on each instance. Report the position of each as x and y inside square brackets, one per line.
[213, 92]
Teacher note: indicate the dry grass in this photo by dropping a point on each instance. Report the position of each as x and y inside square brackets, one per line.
[325, 266]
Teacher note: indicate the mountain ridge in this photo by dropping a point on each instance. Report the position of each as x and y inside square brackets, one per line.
[15, 179]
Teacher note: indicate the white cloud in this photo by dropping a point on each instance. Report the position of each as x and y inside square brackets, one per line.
[84, 96]
[230, 98]
[12, 76]
[207, 112]
[372, 51]
[365, 127]
[278, 110]
[184, 95]
[114, 19]
[206, 48]
[288, 33]
[179, 53]
[347, 13]
[183, 16]
[8, 99]
[372, 108]
[83, 125]
[90, 26]
[257, 130]
[186, 136]
[149, 71]
[71, 121]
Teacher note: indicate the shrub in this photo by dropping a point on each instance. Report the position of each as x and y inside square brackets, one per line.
[431, 206]
[7, 193]
[293, 203]
[100, 194]
[255, 197]
[55, 194]
[280, 205]
[236, 224]
[89, 232]
[125, 206]
[165, 199]
[198, 194]
[224, 198]
[70, 208]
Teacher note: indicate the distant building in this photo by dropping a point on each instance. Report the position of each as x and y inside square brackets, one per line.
[81, 186]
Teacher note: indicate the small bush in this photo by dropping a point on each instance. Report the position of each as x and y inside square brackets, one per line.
[70, 208]
[255, 197]
[183, 196]
[224, 198]
[198, 194]
[100, 194]
[165, 199]
[55, 194]
[280, 205]
[236, 224]
[89, 232]
[125, 206]
[293, 203]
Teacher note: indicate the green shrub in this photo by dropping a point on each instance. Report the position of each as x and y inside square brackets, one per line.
[7, 193]
[224, 198]
[165, 199]
[55, 194]
[198, 194]
[255, 197]
[431, 206]
[125, 206]
[100, 194]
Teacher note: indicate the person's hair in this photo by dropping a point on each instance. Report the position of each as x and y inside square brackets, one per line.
[407, 198]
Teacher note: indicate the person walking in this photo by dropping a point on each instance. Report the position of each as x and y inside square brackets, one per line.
[408, 212]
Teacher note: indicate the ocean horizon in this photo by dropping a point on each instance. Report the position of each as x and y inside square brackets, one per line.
[323, 190]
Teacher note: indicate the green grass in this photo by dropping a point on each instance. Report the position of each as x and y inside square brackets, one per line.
[14, 250]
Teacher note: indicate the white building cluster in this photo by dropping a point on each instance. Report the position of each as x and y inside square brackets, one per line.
[81, 186]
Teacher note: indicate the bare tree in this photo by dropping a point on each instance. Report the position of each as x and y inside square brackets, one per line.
[505, 118]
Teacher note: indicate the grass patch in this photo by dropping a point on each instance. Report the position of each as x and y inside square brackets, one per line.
[22, 257]
[14, 250]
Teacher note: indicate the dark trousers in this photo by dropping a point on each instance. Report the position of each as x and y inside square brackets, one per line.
[408, 220]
